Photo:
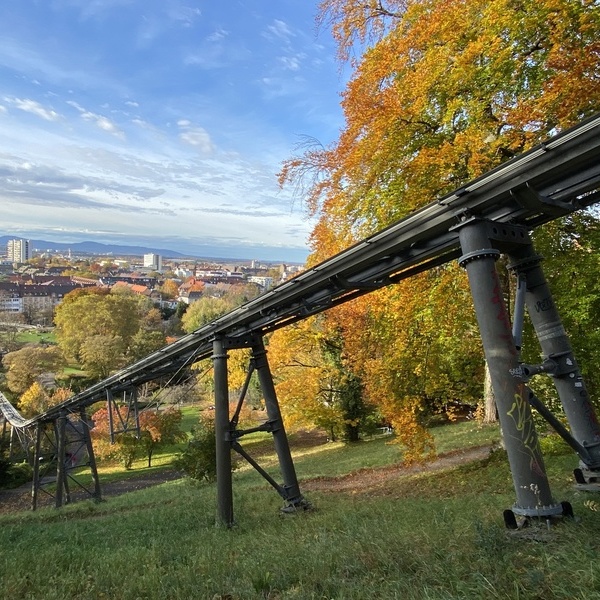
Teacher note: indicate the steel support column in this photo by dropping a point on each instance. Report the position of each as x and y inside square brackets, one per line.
[559, 361]
[534, 498]
[222, 435]
[292, 495]
[97, 493]
[35, 484]
[61, 444]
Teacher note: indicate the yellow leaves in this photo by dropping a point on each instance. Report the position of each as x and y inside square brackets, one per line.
[362, 21]
[34, 400]
[418, 443]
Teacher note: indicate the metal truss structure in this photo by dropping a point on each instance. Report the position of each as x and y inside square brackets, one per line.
[492, 214]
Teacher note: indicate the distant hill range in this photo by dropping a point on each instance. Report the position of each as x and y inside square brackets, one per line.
[96, 248]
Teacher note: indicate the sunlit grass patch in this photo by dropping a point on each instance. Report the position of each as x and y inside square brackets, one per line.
[430, 536]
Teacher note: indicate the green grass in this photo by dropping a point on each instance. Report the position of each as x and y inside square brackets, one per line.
[468, 434]
[431, 536]
[35, 336]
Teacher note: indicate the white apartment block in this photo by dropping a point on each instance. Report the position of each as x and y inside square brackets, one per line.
[18, 251]
[153, 261]
[265, 282]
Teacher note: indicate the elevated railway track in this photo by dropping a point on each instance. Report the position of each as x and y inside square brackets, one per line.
[491, 214]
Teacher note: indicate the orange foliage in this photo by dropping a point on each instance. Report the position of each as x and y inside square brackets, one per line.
[442, 91]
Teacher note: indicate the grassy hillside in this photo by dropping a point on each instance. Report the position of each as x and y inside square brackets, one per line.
[423, 535]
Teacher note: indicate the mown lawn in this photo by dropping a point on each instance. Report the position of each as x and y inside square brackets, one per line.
[36, 336]
[424, 536]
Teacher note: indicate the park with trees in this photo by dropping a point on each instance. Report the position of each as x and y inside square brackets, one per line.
[439, 93]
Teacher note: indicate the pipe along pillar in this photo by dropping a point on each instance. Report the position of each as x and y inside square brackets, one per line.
[481, 242]
[559, 363]
[227, 434]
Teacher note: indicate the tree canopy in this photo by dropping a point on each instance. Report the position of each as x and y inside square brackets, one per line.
[441, 91]
[25, 366]
[102, 331]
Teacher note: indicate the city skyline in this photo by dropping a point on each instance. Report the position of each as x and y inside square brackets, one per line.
[163, 123]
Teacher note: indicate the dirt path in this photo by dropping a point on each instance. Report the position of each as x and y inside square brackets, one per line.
[20, 498]
[369, 480]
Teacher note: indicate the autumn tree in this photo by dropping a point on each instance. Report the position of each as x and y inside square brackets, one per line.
[26, 365]
[9, 330]
[103, 331]
[441, 91]
[149, 337]
[36, 400]
[204, 311]
[314, 385]
[160, 428]
[169, 289]
[208, 308]
[125, 445]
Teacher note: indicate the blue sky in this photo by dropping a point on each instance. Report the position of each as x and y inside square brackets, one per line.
[161, 122]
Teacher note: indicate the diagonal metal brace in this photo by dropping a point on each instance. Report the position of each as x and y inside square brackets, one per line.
[564, 433]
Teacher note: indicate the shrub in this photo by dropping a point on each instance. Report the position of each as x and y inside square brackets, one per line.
[553, 445]
[199, 459]
[14, 475]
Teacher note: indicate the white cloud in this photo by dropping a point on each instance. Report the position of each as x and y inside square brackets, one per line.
[291, 63]
[279, 29]
[185, 15]
[100, 121]
[218, 35]
[195, 136]
[33, 107]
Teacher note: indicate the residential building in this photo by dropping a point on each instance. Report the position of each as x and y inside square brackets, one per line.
[264, 282]
[18, 251]
[190, 291]
[153, 261]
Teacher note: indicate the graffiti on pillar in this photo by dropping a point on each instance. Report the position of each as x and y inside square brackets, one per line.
[543, 305]
[523, 420]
